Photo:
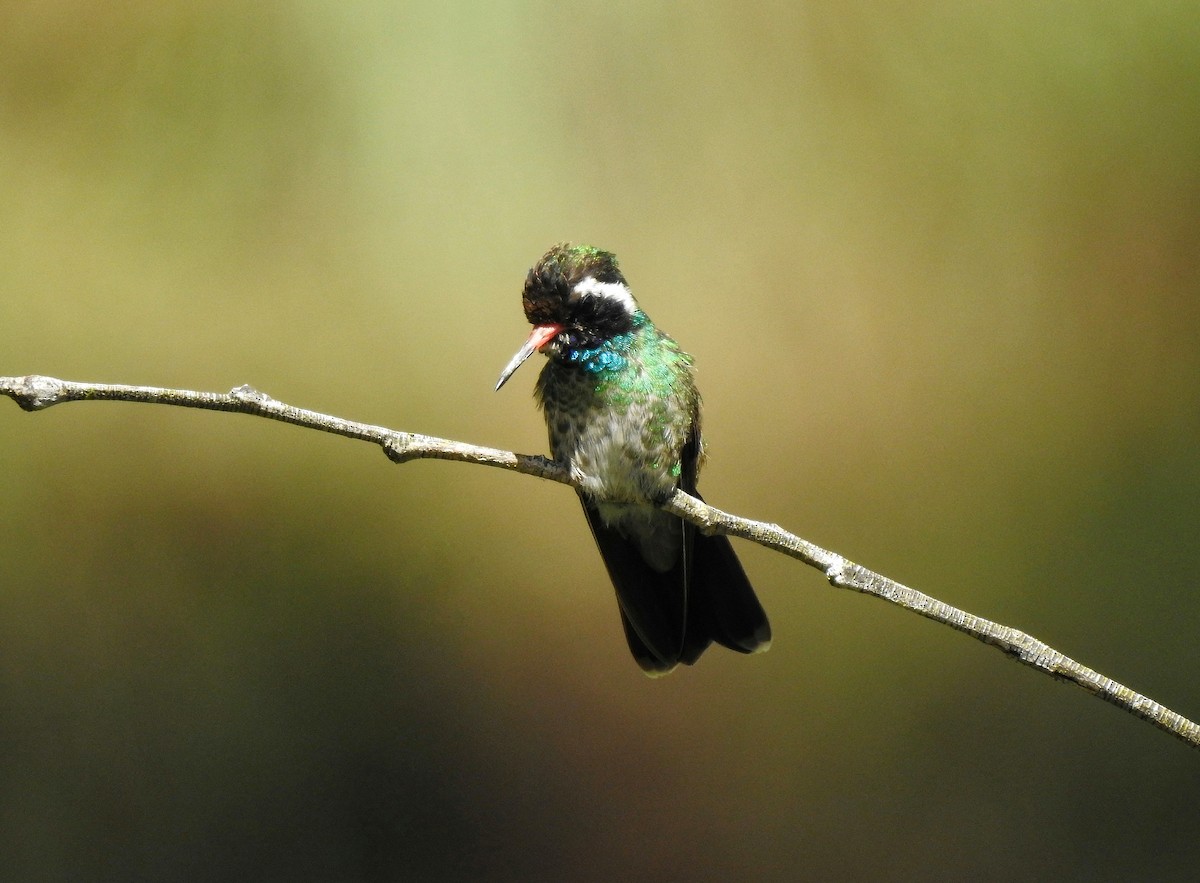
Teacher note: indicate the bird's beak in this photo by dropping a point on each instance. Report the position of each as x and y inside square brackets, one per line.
[538, 338]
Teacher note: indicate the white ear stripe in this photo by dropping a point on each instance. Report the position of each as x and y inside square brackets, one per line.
[614, 291]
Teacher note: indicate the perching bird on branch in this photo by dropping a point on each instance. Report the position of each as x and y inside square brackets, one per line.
[622, 409]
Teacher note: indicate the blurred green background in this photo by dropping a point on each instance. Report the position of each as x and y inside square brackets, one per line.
[938, 265]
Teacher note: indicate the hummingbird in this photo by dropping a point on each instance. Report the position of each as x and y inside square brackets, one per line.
[623, 414]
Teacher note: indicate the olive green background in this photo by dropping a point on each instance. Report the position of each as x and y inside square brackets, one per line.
[938, 264]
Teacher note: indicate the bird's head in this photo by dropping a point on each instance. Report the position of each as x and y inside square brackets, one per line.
[575, 298]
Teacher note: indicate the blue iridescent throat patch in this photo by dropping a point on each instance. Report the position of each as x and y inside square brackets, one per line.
[606, 357]
[609, 355]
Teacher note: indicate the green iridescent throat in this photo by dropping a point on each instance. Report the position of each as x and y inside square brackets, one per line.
[656, 367]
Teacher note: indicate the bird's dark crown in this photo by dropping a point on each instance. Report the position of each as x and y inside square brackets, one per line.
[553, 292]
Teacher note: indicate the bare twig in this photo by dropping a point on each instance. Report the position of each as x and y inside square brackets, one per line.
[36, 392]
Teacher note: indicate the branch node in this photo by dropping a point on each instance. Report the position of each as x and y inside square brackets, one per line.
[35, 392]
[836, 574]
[248, 394]
[398, 447]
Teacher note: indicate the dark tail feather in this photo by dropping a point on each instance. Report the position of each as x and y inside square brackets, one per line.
[719, 584]
[653, 604]
[672, 617]
[643, 655]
